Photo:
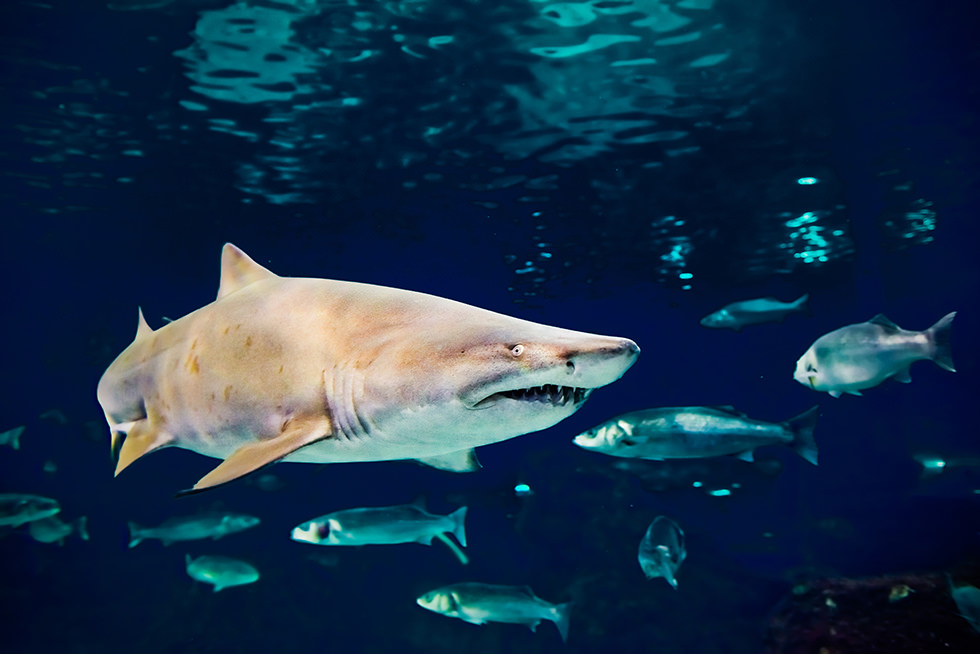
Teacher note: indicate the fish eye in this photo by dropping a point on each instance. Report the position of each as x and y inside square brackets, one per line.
[810, 368]
[517, 350]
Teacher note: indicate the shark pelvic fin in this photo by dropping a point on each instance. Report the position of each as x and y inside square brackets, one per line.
[141, 438]
[296, 433]
[238, 271]
[461, 461]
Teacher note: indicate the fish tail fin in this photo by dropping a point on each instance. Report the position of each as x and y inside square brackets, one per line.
[802, 304]
[459, 525]
[939, 336]
[561, 619]
[802, 427]
[81, 526]
[135, 534]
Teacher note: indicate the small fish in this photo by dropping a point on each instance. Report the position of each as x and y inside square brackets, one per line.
[18, 508]
[696, 432]
[478, 603]
[967, 599]
[11, 437]
[193, 527]
[752, 312]
[662, 550]
[385, 525]
[220, 571]
[860, 356]
[52, 529]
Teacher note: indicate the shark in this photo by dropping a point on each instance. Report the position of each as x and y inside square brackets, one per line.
[315, 370]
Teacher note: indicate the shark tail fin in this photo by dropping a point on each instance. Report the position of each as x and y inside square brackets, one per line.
[459, 525]
[802, 427]
[135, 534]
[939, 335]
[561, 619]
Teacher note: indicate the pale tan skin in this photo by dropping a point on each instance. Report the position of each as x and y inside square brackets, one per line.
[315, 370]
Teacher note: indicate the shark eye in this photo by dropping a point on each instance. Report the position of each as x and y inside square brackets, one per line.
[517, 350]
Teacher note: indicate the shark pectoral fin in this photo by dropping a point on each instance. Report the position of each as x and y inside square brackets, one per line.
[461, 461]
[141, 438]
[251, 457]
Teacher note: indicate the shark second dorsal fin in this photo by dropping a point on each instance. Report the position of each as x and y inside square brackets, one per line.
[238, 271]
[883, 321]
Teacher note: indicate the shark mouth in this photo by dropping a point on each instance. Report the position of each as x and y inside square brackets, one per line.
[547, 394]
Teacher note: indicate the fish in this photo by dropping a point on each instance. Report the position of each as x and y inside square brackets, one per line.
[479, 603]
[967, 600]
[662, 550]
[752, 312]
[860, 356]
[220, 571]
[698, 431]
[52, 529]
[193, 527]
[11, 437]
[19, 508]
[383, 525]
[324, 371]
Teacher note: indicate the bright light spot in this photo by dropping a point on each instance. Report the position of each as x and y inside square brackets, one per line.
[721, 492]
[697, 484]
[686, 275]
[522, 490]
[807, 181]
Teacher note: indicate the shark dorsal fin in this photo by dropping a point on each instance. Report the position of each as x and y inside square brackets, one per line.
[882, 321]
[142, 329]
[238, 271]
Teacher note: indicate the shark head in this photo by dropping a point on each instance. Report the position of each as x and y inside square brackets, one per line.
[466, 377]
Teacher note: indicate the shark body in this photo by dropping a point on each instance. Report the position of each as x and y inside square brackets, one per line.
[324, 371]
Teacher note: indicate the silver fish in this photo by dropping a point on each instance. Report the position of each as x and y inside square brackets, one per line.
[967, 600]
[698, 431]
[383, 525]
[220, 571]
[19, 508]
[662, 550]
[752, 312]
[860, 356]
[324, 371]
[52, 529]
[193, 527]
[479, 603]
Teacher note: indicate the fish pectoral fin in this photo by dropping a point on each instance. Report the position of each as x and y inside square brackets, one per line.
[461, 461]
[747, 455]
[141, 438]
[903, 376]
[251, 457]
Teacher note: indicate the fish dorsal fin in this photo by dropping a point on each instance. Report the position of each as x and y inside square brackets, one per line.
[238, 271]
[727, 408]
[142, 329]
[884, 322]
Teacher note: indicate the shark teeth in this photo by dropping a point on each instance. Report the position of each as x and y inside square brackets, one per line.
[555, 395]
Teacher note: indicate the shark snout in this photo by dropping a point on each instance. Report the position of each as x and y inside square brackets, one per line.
[602, 362]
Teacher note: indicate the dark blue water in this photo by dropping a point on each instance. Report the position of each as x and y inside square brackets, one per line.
[119, 191]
